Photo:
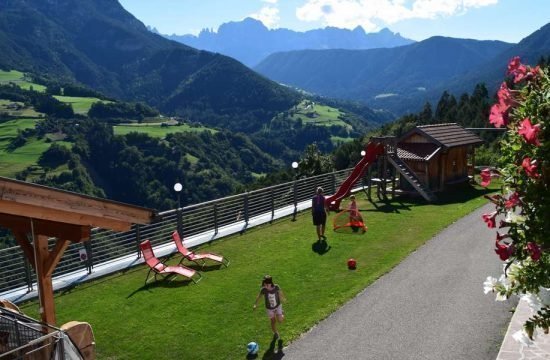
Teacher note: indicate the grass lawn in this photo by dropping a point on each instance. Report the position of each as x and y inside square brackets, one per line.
[24, 156]
[339, 139]
[157, 130]
[81, 105]
[13, 162]
[214, 319]
[319, 114]
[22, 112]
[18, 78]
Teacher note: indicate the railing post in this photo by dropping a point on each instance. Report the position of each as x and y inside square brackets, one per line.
[90, 255]
[295, 200]
[179, 215]
[216, 219]
[272, 206]
[28, 275]
[138, 240]
[333, 178]
[246, 208]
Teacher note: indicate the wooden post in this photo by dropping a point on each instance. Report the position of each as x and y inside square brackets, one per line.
[427, 172]
[385, 176]
[45, 287]
[370, 182]
[393, 174]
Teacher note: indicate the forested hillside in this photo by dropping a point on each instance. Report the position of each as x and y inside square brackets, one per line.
[402, 79]
[398, 79]
[47, 142]
[101, 45]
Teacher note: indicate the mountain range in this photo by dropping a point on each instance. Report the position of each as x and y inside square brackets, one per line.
[402, 79]
[250, 41]
[99, 44]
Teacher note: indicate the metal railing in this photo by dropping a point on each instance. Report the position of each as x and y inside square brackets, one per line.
[106, 245]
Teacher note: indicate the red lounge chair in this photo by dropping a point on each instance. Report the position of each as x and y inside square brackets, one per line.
[159, 268]
[191, 256]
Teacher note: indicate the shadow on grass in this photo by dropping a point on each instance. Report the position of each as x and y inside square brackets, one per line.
[452, 195]
[390, 206]
[164, 283]
[462, 193]
[272, 353]
[205, 268]
[79, 286]
[320, 247]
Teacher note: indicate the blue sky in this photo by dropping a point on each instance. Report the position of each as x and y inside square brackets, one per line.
[506, 20]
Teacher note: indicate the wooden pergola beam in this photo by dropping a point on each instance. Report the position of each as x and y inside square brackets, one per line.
[46, 212]
[67, 216]
[60, 230]
[41, 202]
[55, 255]
[23, 241]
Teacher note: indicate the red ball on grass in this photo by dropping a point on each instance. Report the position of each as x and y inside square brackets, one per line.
[352, 264]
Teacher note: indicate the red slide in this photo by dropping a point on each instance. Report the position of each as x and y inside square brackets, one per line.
[372, 150]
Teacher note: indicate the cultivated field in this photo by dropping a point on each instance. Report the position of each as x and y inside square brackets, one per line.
[157, 129]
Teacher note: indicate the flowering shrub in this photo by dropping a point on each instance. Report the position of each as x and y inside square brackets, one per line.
[523, 236]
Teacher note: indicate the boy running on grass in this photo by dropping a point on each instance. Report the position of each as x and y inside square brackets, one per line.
[273, 295]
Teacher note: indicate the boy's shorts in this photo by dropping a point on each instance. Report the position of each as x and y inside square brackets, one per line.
[273, 312]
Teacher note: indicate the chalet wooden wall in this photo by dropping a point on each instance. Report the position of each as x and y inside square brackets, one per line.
[455, 166]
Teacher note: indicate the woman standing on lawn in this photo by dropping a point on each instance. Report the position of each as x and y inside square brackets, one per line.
[319, 213]
[273, 295]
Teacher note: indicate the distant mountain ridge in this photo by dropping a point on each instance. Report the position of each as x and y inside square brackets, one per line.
[99, 44]
[250, 41]
[377, 74]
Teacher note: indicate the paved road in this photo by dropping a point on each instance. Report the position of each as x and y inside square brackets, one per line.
[431, 306]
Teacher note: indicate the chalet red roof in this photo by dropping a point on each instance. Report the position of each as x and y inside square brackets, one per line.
[446, 135]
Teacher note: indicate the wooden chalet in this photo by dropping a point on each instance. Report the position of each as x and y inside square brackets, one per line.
[439, 155]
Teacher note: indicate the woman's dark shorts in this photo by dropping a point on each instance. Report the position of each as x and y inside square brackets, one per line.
[319, 218]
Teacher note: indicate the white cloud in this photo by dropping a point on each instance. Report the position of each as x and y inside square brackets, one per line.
[268, 15]
[371, 13]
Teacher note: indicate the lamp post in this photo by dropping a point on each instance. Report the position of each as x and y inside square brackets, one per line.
[177, 188]
[363, 153]
[295, 167]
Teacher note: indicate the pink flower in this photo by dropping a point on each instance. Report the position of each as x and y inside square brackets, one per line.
[490, 219]
[529, 132]
[527, 74]
[530, 167]
[499, 115]
[504, 251]
[516, 69]
[534, 251]
[485, 177]
[513, 65]
[520, 74]
[512, 201]
[504, 96]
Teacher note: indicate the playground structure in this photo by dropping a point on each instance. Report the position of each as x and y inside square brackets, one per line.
[426, 160]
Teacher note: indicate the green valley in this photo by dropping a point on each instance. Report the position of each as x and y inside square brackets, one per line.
[159, 130]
